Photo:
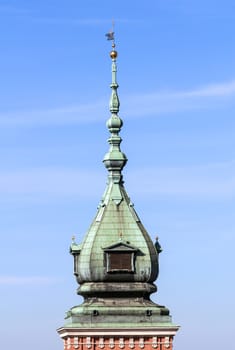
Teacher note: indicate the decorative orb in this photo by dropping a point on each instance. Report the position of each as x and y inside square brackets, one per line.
[114, 123]
[113, 54]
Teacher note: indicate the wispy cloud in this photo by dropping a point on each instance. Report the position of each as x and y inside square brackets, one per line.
[86, 113]
[214, 180]
[82, 22]
[204, 181]
[213, 90]
[71, 21]
[26, 280]
[13, 10]
[25, 13]
[49, 181]
[140, 105]
[168, 102]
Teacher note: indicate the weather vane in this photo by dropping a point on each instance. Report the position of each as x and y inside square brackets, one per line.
[110, 35]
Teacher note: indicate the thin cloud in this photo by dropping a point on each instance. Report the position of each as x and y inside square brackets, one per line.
[13, 10]
[49, 181]
[139, 105]
[216, 180]
[168, 102]
[204, 181]
[71, 21]
[81, 22]
[84, 113]
[213, 90]
[26, 280]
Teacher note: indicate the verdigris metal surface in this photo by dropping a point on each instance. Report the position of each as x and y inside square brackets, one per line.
[119, 298]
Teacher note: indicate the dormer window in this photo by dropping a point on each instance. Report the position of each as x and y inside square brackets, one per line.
[120, 257]
[120, 261]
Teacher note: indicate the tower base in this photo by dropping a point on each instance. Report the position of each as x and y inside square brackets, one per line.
[118, 324]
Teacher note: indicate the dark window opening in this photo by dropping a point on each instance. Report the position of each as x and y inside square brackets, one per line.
[120, 261]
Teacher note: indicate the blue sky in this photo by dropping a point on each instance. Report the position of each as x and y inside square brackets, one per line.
[176, 71]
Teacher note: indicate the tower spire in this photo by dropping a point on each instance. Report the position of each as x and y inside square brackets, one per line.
[114, 160]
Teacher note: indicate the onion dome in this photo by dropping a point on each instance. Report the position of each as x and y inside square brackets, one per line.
[117, 255]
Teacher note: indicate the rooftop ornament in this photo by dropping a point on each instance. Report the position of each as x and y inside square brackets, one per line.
[114, 160]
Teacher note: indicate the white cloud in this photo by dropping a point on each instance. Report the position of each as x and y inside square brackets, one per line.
[139, 105]
[71, 21]
[213, 90]
[206, 97]
[81, 22]
[26, 280]
[50, 181]
[13, 10]
[56, 116]
[205, 181]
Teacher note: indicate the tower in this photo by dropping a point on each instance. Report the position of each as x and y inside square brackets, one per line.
[116, 266]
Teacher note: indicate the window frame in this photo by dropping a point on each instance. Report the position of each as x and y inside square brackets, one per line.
[120, 249]
[110, 263]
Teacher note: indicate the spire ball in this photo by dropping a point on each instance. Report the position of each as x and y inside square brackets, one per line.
[113, 54]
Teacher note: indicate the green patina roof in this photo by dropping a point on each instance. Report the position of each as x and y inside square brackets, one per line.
[120, 299]
[116, 216]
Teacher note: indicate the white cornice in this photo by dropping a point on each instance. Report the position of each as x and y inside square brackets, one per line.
[150, 332]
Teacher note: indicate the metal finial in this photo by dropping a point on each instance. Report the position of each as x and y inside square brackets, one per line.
[110, 36]
[73, 238]
[114, 160]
